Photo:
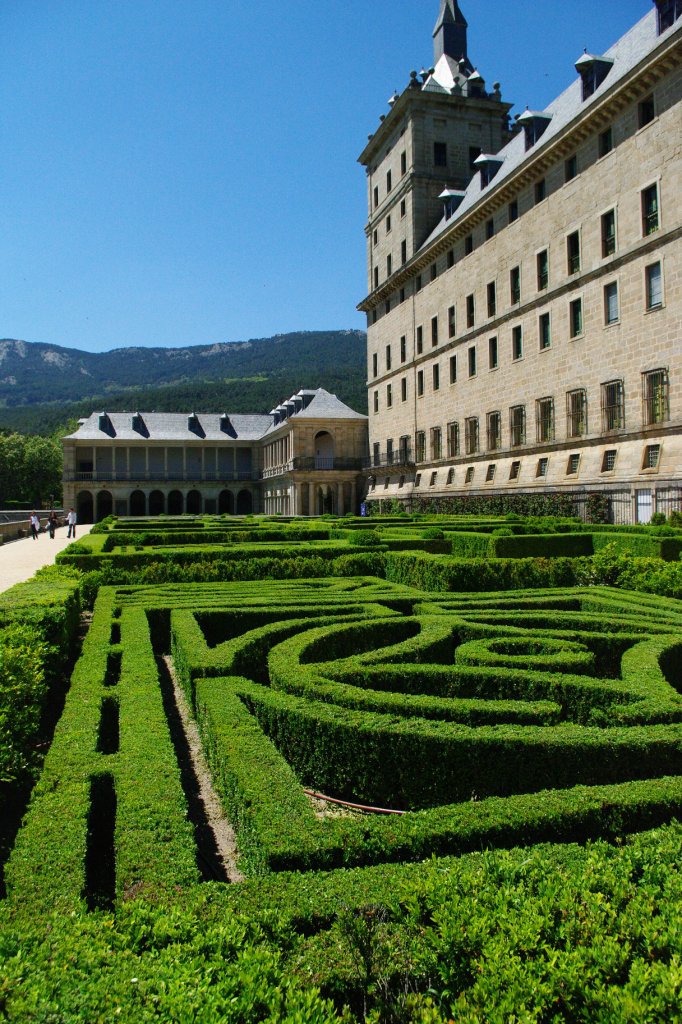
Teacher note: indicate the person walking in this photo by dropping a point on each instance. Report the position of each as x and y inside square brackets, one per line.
[52, 523]
[35, 525]
[71, 520]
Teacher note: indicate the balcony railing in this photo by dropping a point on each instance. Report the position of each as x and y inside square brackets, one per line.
[386, 460]
[313, 462]
[188, 477]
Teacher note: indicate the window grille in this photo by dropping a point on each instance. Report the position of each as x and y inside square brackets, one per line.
[612, 406]
[517, 425]
[576, 412]
[544, 414]
[656, 397]
[453, 440]
[494, 431]
[471, 440]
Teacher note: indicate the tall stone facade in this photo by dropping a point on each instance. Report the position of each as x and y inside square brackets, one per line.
[303, 458]
[530, 340]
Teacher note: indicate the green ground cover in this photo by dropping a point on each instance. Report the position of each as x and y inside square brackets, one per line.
[541, 724]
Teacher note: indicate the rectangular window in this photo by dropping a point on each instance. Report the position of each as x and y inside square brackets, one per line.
[452, 322]
[389, 396]
[472, 361]
[375, 237]
[608, 462]
[514, 470]
[440, 154]
[376, 196]
[540, 190]
[453, 440]
[420, 383]
[436, 376]
[434, 331]
[573, 252]
[387, 306]
[490, 473]
[612, 406]
[542, 467]
[492, 298]
[576, 413]
[389, 181]
[517, 342]
[573, 465]
[655, 397]
[376, 277]
[376, 454]
[434, 477]
[652, 456]
[468, 245]
[388, 225]
[646, 111]
[375, 364]
[492, 353]
[404, 449]
[608, 233]
[606, 142]
[654, 286]
[517, 425]
[403, 349]
[403, 162]
[469, 475]
[418, 283]
[403, 389]
[515, 285]
[401, 295]
[436, 444]
[545, 331]
[471, 311]
[494, 431]
[668, 13]
[611, 308]
[471, 435]
[420, 446]
[389, 265]
[571, 168]
[489, 228]
[403, 208]
[513, 211]
[650, 212]
[388, 357]
[451, 476]
[544, 420]
[576, 318]
[543, 269]
[434, 271]
[453, 369]
[403, 252]
[450, 261]
[376, 401]
[420, 340]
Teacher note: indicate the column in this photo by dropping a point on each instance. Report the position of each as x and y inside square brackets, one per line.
[341, 508]
[311, 499]
[353, 497]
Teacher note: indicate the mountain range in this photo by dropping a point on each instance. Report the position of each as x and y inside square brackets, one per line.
[43, 386]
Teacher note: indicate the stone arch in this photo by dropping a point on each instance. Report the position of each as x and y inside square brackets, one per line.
[226, 503]
[244, 503]
[84, 507]
[105, 505]
[324, 450]
[194, 503]
[157, 503]
[176, 504]
[138, 503]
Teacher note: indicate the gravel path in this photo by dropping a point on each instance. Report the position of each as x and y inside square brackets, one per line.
[19, 559]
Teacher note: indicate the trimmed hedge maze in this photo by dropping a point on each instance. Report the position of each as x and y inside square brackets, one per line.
[487, 719]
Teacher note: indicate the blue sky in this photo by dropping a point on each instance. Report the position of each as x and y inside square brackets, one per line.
[183, 172]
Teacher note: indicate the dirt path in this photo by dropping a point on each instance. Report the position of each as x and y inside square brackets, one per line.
[225, 840]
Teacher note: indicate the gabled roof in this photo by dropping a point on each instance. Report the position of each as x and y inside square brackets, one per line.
[173, 427]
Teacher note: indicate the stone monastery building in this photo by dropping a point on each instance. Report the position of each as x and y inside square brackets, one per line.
[304, 458]
[525, 290]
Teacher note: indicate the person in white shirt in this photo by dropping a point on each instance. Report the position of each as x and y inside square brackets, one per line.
[35, 525]
[71, 520]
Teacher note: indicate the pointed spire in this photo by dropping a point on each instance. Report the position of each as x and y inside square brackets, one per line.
[450, 33]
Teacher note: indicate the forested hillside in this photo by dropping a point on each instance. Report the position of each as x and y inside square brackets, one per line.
[41, 386]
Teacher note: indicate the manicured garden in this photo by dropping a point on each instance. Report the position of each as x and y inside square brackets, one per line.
[503, 686]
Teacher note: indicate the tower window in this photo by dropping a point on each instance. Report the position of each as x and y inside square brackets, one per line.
[543, 270]
[389, 181]
[668, 13]
[440, 154]
[576, 318]
[436, 377]
[515, 285]
[471, 310]
[420, 340]
[492, 298]
[608, 234]
[571, 168]
[517, 342]
[492, 353]
[472, 361]
[468, 245]
[646, 111]
[650, 212]
[545, 332]
[606, 142]
[573, 252]
[540, 190]
[513, 211]
[452, 322]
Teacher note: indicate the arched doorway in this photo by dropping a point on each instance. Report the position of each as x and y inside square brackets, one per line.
[226, 503]
[244, 503]
[156, 503]
[176, 505]
[105, 505]
[324, 450]
[194, 503]
[84, 507]
[138, 504]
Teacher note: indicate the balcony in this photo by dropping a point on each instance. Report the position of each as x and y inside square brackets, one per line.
[401, 459]
[319, 462]
[163, 478]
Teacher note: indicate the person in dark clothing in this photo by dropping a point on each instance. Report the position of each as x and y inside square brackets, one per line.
[52, 523]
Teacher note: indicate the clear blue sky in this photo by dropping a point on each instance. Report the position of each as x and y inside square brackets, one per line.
[184, 171]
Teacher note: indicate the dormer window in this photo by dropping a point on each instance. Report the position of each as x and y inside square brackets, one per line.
[488, 165]
[668, 13]
[451, 201]
[534, 124]
[192, 421]
[593, 70]
[103, 422]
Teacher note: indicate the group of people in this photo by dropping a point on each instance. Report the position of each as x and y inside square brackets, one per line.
[52, 524]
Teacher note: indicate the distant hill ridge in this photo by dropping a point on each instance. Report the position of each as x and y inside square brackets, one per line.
[32, 373]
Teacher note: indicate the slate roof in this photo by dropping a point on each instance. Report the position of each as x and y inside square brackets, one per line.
[626, 54]
[175, 426]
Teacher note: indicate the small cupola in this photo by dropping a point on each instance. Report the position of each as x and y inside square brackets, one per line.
[451, 200]
[592, 70]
